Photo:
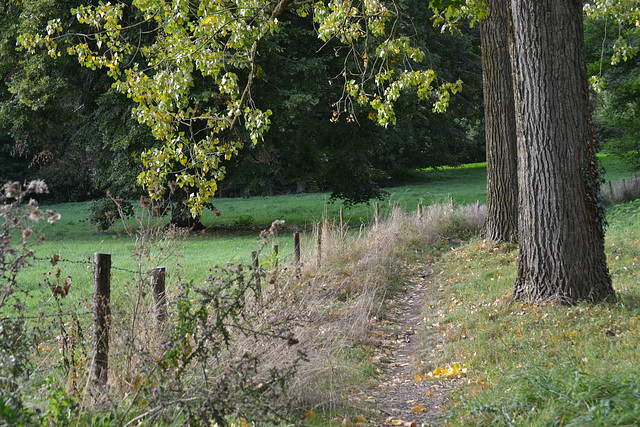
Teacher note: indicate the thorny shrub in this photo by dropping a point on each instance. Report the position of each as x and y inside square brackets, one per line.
[17, 337]
[206, 367]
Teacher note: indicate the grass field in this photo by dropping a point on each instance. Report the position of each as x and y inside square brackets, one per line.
[524, 364]
[234, 235]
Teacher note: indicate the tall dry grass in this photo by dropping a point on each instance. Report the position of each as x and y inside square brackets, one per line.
[323, 311]
[341, 295]
[622, 191]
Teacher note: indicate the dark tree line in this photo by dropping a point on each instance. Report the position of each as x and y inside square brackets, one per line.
[64, 123]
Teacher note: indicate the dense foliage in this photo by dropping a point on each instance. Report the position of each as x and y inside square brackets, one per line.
[66, 123]
[613, 42]
[63, 122]
[353, 157]
[90, 122]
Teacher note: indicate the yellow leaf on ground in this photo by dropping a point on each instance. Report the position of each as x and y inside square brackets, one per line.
[417, 377]
[431, 393]
[418, 408]
[395, 422]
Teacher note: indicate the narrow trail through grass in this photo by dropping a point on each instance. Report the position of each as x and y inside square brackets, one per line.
[404, 398]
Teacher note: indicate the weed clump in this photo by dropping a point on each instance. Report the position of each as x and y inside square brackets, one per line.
[17, 336]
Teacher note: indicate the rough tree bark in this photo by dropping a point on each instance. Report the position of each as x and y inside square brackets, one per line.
[496, 35]
[561, 222]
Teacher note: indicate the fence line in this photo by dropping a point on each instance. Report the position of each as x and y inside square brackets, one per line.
[57, 260]
[47, 316]
[102, 313]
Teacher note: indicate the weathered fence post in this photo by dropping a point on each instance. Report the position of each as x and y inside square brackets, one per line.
[319, 245]
[255, 263]
[274, 273]
[420, 210]
[101, 317]
[342, 230]
[296, 250]
[159, 295]
[611, 190]
[377, 214]
[275, 256]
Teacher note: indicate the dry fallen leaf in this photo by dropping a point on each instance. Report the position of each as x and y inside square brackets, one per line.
[418, 408]
[54, 259]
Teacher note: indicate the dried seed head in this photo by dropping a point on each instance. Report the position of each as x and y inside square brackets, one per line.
[35, 215]
[12, 190]
[37, 186]
[275, 225]
[144, 201]
[52, 216]
[26, 233]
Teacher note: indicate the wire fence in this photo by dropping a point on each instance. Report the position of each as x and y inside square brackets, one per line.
[74, 316]
[54, 260]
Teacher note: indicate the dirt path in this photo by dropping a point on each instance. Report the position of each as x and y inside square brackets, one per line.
[400, 398]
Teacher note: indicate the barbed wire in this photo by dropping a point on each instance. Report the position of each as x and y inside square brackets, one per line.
[127, 270]
[54, 261]
[47, 316]
[114, 312]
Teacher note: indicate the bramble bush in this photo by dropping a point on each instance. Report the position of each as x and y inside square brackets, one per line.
[17, 337]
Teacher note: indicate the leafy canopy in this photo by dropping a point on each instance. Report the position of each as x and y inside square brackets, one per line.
[157, 51]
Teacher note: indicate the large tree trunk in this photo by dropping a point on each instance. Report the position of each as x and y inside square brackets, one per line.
[500, 124]
[561, 233]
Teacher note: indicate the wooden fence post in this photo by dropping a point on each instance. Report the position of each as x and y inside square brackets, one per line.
[420, 210]
[319, 245]
[342, 230]
[275, 256]
[101, 317]
[159, 295]
[611, 190]
[377, 214]
[274, 273]
[296, 249]
[255, 263]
